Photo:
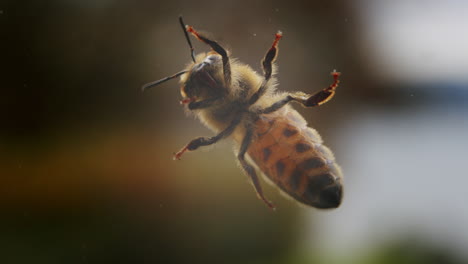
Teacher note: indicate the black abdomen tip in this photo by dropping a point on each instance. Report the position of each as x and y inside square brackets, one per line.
[330, 197]
[302, 147]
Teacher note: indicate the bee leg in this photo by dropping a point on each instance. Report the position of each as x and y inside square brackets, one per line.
[250, 170]
[306, 100]
[205, 141]
[324, 95]
[218, 49]
[267, 64]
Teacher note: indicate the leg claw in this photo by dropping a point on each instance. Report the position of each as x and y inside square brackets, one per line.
[179, 154]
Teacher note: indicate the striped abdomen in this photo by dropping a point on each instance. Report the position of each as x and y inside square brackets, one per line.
[292, 156]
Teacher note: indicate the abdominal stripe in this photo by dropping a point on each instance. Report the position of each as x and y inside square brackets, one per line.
[280, 168]
[302, 147]
[289, 132]
[295, 179]
[266, 154]
[312, 163]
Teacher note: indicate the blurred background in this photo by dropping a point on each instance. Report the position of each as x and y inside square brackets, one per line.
[86, 169]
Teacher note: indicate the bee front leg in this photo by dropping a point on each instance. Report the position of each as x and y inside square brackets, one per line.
[205, 141]
[306, 100]
[218, 49]
[250, 170]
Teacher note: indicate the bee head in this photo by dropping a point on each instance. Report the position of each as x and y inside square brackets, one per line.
[201, 79]
[204, 78]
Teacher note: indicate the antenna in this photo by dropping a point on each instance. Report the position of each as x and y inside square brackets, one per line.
[192, 54]
[192, 51]
[152, 84]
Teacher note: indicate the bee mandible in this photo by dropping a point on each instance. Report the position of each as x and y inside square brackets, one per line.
[234, 101]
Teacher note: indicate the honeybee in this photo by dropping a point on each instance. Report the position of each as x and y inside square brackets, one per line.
[234, 101]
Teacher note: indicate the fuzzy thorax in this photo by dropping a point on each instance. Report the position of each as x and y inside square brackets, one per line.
[204, 80]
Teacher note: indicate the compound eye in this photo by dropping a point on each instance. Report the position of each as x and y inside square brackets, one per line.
[211, 59]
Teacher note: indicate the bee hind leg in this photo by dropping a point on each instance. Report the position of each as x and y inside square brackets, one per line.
[250, 170]
[306, 100]
[324, 95]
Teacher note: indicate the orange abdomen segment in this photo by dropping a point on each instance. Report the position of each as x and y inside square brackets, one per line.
[292, 156]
